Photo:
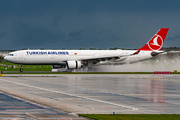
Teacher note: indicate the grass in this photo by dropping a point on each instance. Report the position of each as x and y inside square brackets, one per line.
[5, 66]
[132, 116]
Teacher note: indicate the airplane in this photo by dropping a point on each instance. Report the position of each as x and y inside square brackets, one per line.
[62, 60]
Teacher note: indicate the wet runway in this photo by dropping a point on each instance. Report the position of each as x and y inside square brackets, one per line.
[105, 94]
[16, 108]
[13, 107]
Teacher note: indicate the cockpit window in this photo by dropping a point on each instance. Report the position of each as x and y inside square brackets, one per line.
[10, 54]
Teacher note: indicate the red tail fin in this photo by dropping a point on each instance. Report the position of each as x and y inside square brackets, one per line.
[156, 42]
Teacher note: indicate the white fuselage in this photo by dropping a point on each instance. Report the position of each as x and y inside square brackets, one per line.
[55, 57]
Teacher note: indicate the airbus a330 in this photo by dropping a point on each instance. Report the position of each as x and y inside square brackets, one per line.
[74, 59]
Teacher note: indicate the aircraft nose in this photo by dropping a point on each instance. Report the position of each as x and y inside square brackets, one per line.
[6, 58]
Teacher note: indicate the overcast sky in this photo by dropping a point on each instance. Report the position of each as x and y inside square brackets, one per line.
[74, 24]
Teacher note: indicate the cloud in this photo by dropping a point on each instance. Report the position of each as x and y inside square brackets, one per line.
[34, 36]
[84, 24]
[2, 35]
[75, 36]
[174, 37]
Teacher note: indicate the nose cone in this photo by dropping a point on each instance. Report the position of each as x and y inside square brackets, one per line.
[10, 57]
[6, 58]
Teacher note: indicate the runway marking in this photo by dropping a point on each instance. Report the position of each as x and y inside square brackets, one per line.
[81, 97]
[75, 99]
[32, 116]
[108, 107]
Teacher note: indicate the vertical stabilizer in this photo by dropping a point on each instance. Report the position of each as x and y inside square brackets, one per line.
[156, 42]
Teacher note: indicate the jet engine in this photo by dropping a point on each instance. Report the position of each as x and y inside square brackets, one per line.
[73, 64]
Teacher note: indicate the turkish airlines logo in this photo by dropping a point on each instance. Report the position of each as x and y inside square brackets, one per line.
[155, 43]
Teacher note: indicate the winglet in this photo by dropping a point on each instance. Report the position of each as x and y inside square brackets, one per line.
[156, 42]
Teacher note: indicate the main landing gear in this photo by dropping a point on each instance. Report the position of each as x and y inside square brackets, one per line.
[21, 69]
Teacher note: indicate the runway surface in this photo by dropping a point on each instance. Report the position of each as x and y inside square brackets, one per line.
[98, 94]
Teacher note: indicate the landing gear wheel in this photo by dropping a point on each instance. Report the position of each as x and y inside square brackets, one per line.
[21, 70]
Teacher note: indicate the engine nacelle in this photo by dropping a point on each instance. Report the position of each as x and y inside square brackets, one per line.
[59, 66]
[73, 64]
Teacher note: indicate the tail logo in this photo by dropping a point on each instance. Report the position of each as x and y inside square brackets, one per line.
[155, 43]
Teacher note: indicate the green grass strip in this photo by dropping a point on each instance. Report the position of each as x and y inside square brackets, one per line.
[132, 116]
[49, 72]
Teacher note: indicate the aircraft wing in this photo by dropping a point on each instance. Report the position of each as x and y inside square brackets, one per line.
[108, 58]
[102, 58]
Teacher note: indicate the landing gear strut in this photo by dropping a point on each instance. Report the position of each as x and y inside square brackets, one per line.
[21, 69]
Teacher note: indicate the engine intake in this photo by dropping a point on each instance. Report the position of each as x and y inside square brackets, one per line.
[73, 64]
[58, 66]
